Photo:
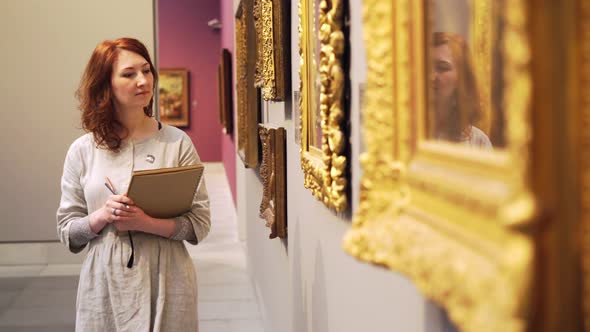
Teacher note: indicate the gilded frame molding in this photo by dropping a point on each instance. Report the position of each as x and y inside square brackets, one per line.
[273, 207]
[247, 95]
[484, 31]
[273, 48]
[257, 15]
[325, 172]
[446, 216]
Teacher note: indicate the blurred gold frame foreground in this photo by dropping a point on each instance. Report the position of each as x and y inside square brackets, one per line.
[444, 215]
[324, 172]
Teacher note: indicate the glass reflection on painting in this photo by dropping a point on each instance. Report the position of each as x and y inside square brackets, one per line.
[464, 68]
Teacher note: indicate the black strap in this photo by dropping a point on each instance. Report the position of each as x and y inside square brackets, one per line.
[130, 262]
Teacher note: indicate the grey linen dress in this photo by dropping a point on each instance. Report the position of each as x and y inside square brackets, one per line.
[159, 293]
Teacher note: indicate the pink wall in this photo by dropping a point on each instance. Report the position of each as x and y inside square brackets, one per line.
[186, 41]
[228, 146]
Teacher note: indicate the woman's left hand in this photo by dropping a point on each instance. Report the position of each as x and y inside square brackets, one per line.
[131, 219]
[134, 218]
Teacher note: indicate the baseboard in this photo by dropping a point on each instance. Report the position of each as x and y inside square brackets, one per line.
[38, 253]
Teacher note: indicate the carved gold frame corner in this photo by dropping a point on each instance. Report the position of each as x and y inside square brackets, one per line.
[444, 215]
[247, 94]
[324, 172]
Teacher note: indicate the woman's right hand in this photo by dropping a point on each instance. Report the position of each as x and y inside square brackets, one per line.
[109, 212]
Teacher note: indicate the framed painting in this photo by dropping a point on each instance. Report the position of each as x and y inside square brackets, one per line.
[441, 200]
[273, 207]
[225, 92]
[173, 89]
[323, 116]
[272, 26]
[248, 95]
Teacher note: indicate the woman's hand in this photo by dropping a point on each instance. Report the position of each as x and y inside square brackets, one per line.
[113, 210]
[132, 218]
[120, 211]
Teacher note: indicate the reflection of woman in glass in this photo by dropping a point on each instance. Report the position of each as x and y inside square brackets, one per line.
[455, 97]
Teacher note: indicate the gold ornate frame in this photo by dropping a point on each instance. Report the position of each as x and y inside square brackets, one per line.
[273, 48]
[247, 94]
[273, 173]
[325, 173]
[444, 215]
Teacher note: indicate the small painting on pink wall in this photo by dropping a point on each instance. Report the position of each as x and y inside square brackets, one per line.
[173, 91]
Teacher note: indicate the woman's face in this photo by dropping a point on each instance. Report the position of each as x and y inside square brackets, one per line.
[444, 74]
[132, 81]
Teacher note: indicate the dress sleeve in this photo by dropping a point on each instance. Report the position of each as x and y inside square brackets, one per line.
[73, 224]
[194, 225]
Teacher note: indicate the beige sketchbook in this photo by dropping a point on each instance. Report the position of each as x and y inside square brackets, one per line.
[165, 192]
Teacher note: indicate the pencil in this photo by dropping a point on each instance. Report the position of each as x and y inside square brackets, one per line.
[109, 187]
[112, 188]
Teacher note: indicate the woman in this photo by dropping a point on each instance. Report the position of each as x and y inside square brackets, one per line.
[137, 275]
[455, 96]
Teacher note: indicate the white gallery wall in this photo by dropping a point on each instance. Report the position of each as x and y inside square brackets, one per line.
[44, 48]
[307, 283]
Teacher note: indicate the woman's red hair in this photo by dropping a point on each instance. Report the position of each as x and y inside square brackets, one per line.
[467, 110]
[96, 94]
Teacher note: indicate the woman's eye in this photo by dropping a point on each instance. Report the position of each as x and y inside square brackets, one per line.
[147, 71]
[127, 74]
